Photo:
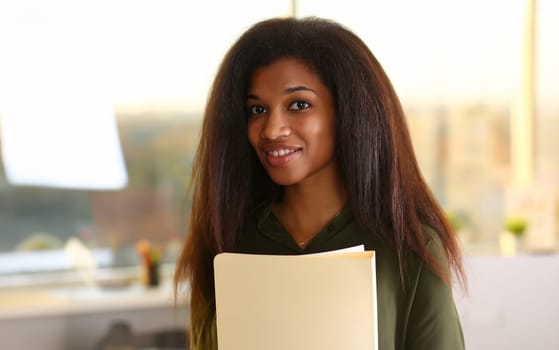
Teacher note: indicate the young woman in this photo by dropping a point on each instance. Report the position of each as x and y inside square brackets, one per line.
[304, 149]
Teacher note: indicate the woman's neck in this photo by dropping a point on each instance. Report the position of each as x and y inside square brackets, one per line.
[306, 208]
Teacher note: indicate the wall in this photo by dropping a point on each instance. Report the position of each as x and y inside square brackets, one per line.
[512, 303]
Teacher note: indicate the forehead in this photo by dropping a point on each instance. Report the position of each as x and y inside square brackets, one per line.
[284, 73]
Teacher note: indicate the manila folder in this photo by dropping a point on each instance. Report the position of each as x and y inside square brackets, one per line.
[301, 302]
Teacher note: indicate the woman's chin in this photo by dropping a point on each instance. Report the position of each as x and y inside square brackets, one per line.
[284, 180]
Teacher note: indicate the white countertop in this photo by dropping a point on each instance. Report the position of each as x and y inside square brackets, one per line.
[77, 300]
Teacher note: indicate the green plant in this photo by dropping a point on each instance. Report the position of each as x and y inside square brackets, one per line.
[516, 225]
[456, 220]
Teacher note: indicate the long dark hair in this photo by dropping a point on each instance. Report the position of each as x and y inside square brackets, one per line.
[374, 153]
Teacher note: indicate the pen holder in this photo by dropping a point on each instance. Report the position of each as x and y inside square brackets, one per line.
[150, 260]
[153, 275]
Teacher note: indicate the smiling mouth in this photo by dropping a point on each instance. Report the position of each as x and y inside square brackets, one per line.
[281, 152]
[280, 155]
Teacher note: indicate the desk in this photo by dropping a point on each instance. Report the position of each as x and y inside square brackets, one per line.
[77, 318]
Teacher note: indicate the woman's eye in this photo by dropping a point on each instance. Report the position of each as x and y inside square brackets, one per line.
[256, 110]
[299, 105]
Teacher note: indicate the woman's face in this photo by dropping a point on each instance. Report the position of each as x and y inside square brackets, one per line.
[291, 122]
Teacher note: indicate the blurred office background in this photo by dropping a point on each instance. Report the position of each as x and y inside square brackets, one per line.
[100, 112]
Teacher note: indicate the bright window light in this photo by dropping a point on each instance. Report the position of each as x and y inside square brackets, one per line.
[58, 124]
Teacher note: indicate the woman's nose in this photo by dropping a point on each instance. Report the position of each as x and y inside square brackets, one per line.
[276, 126]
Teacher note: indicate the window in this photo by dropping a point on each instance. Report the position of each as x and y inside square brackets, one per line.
[154, 62]
[456, 67]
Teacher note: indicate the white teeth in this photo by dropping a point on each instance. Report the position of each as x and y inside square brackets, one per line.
[280, 153]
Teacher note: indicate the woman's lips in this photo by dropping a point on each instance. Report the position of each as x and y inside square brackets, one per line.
[278, 155]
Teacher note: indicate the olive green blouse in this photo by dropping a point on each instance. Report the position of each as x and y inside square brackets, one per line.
[419, 316]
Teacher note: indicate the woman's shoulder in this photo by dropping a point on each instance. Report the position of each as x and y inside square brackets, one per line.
[435, 247]
[432, 321]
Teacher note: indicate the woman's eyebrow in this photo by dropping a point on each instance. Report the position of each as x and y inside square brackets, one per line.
[299, 88]
[289, 90]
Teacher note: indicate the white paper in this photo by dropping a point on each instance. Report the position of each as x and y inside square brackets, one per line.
[357, 248]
